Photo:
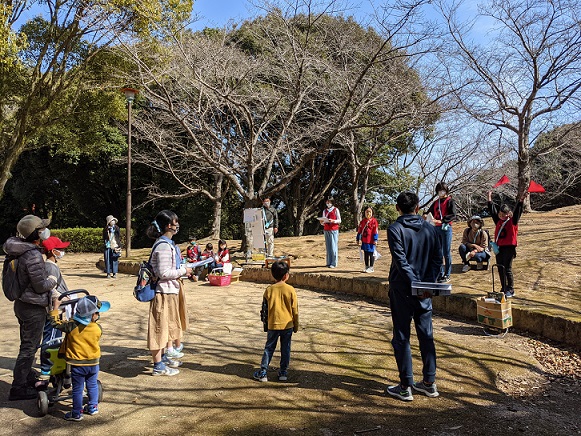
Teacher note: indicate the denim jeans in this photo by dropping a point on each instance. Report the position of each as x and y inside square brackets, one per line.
[446, 243]
[481, 256]
[111, 261]
[81, 375]
[332, 246]
[31, 318]
[48, 334]
[285, 348]
[404, 308]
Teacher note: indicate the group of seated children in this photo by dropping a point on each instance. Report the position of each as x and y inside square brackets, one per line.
[194, 253]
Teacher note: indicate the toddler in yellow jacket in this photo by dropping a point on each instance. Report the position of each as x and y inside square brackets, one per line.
[82, 352]
[280, 313]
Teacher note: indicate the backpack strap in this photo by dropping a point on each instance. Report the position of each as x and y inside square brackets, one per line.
[155, 246]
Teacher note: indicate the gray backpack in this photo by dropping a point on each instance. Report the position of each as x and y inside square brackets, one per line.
[10, 283]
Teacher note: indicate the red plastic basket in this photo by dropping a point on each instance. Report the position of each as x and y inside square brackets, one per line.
[216, 280]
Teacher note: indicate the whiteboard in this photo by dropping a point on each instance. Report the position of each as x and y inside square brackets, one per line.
[254, 222]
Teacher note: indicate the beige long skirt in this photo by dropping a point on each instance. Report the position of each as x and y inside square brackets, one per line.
[168, 318]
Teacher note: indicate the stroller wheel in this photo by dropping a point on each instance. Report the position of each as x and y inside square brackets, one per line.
[42, 403]
[100, 387]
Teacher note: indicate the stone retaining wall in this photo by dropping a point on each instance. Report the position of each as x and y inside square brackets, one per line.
[548, 326]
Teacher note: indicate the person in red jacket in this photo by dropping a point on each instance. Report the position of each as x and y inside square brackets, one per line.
[368, 234]
[223, 255]
[330, 220]
[505, 235]
[444, 212]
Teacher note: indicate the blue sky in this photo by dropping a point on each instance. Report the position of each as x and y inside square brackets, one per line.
[217, 13]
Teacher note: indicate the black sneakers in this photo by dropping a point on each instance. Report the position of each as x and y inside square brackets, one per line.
[25, 393]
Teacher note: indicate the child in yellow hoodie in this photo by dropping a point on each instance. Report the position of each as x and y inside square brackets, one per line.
[81, 350]
[280, 313]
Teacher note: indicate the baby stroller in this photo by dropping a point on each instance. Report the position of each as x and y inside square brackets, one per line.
[60, 372]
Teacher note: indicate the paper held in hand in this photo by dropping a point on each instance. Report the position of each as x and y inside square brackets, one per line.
[430, 218]
[324, 219]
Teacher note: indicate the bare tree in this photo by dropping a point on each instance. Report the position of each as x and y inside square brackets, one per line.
[257, 103]
[524, 76]
[556, 166]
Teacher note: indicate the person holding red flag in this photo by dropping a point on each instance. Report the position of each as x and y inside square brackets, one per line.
[444, 212]
[505, 239]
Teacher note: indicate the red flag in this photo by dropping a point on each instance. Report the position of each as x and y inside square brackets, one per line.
[535, 187]
[503, 180]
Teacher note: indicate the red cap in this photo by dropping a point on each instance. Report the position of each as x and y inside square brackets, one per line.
[53, 242]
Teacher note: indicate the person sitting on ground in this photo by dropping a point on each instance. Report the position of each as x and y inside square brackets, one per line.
[208, 253]
[223, 255]
[474, 244]
[194, 254]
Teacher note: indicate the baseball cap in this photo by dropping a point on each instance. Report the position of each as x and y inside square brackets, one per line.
[53, 242]
[30, 223]
[87, 306]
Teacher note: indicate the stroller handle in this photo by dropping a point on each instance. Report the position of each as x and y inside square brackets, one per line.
[72, 292]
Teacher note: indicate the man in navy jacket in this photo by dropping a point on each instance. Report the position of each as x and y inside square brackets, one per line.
[416, 256]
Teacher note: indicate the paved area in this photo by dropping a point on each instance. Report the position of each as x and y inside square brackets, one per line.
[341, 361]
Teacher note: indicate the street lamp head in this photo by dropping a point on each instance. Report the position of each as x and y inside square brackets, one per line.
[130, 93]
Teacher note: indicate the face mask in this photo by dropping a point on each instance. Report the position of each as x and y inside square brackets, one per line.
[329, 205]
[44, 235]
[475, 225]
[266, 204]
[193, 242]
[60, 255]
[442, 193]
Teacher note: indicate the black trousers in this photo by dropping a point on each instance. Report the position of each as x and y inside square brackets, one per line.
[504, 258]
[369, 259]
[31, 318]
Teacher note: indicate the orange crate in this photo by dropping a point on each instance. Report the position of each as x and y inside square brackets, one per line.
[216, 280]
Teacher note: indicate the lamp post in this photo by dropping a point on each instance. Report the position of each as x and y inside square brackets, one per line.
[130, 94]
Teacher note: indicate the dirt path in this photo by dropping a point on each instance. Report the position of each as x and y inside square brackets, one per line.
[341, 361]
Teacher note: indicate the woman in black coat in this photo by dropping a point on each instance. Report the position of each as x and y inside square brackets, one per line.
[112, 240]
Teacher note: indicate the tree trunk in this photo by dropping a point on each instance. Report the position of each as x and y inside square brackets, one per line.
[14, 148]
[299, 224]
[218, 194]
[216, 224]
[524, 169]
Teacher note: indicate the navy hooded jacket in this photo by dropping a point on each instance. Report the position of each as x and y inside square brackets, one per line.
[416, 252]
